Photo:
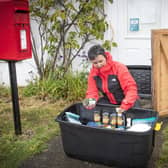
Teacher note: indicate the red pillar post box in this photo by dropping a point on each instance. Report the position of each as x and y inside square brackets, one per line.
[15, 43]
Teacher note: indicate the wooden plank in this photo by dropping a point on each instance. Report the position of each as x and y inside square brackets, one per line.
[160, 31]
[164, 75]
[163, 113]
[155, 73]
[164, 81]
[164, 42]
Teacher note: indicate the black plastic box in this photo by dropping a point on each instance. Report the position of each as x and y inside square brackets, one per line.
[106, 146]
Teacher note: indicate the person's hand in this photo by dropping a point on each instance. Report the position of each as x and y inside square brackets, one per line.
[89, 103]
[119, 110]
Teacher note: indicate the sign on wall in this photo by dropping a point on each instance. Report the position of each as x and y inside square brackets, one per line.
[134, 24]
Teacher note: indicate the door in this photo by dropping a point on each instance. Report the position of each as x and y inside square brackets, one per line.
[131, 22]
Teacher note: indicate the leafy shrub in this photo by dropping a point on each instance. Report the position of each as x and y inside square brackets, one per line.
[72, 87]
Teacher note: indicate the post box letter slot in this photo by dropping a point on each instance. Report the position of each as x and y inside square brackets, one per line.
[21, 11]
[21, 16]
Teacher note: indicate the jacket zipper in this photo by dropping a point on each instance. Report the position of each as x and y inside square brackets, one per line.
[105, 88]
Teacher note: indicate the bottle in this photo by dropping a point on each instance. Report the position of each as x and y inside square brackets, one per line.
[120, 121]
[113, 120]
[96, 119]
[105, 118]
[128, 122]
[97, 116]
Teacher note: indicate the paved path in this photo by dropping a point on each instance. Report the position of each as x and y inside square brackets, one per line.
[54, 157]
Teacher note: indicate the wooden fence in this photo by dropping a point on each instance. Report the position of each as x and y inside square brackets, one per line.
[160, 71]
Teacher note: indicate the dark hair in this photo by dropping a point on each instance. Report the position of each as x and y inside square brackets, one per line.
[94, 51]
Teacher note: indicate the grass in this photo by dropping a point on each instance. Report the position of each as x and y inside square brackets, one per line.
[163, 162]
[38, 127]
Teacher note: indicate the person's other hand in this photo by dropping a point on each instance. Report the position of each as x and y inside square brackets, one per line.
[119, 110]
[89, 103]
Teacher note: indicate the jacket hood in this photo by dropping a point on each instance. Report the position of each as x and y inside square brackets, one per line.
[108, 57]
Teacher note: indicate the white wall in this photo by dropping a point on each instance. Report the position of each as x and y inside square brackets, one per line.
[24, 72]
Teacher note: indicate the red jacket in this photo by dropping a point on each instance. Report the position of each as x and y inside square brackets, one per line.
[115, 81]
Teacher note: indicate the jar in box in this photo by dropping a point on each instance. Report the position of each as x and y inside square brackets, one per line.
[113, 120]
[97, 116]
[105, 118]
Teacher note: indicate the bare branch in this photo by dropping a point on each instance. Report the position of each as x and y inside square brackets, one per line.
[35, 54]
